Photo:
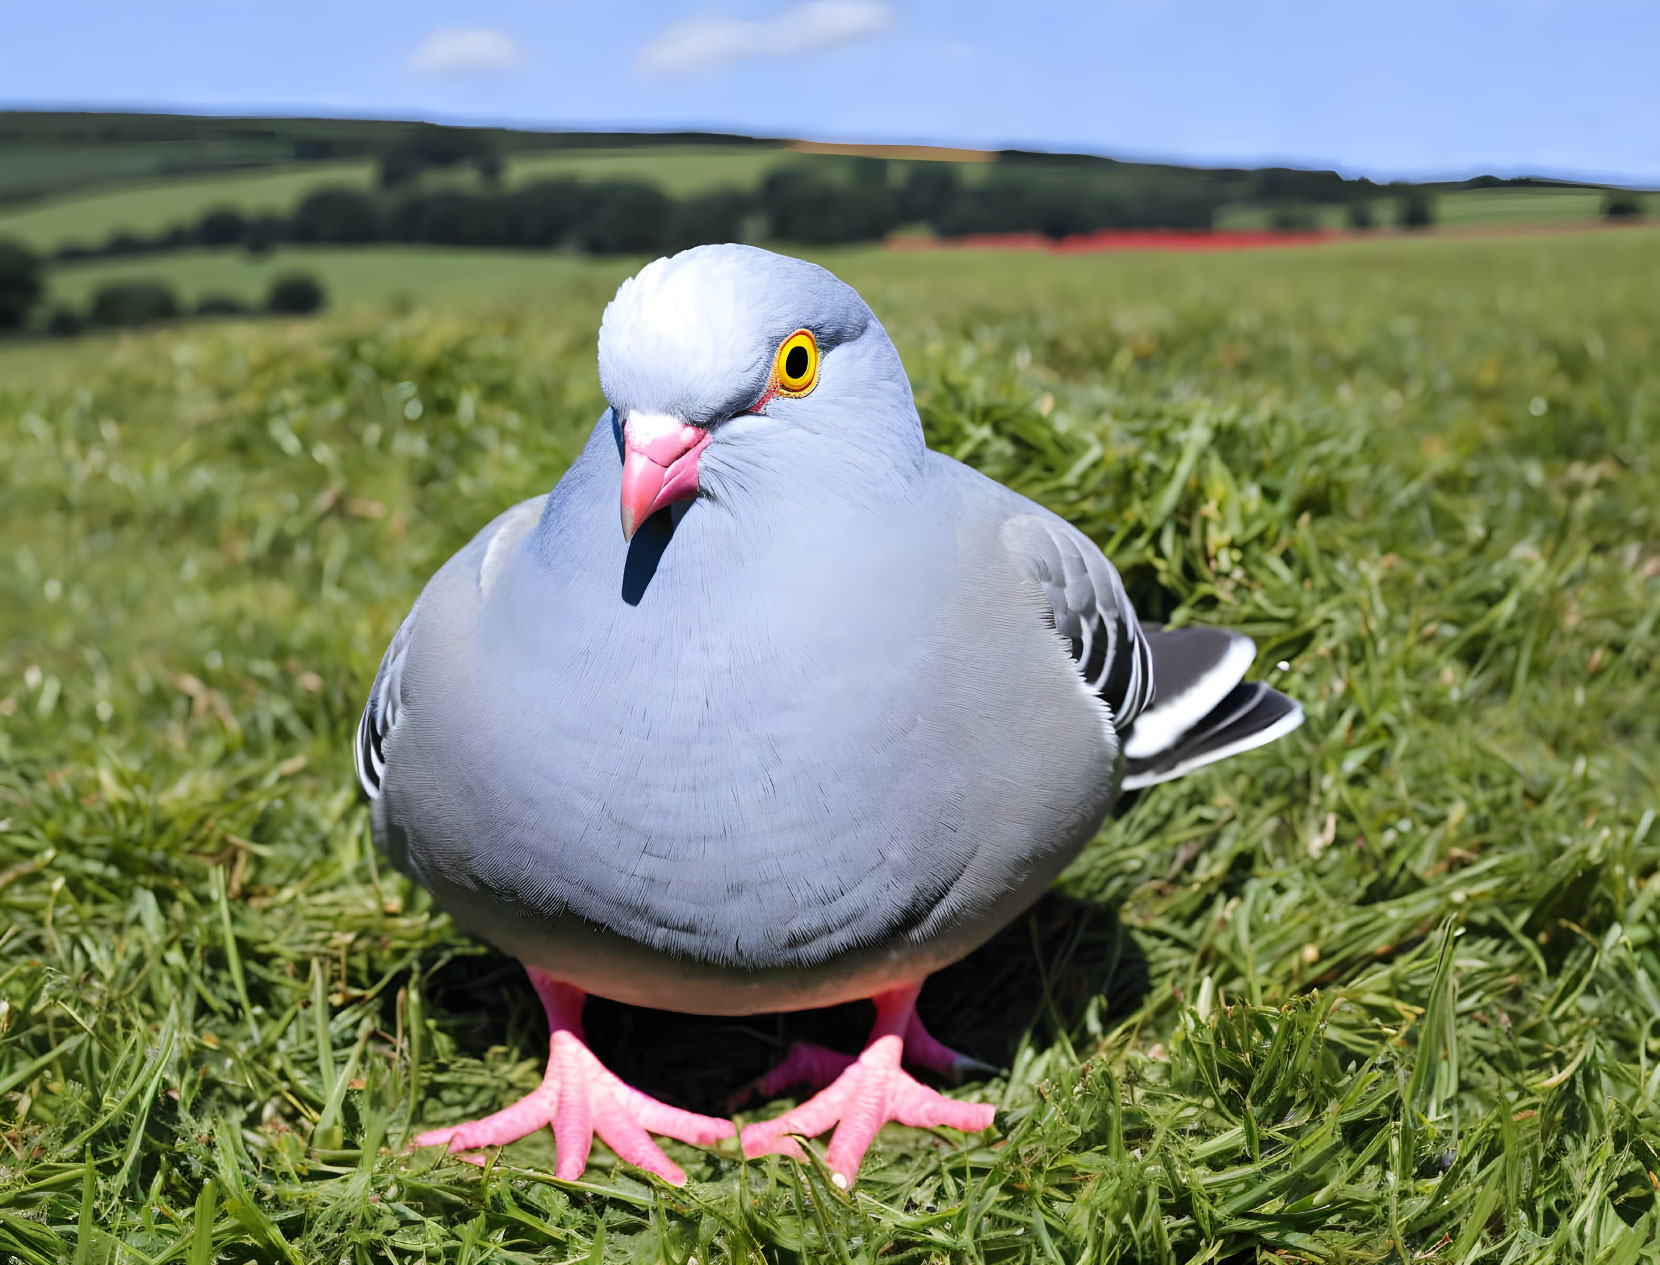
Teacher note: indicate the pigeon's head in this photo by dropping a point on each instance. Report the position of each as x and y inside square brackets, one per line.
[735, 373]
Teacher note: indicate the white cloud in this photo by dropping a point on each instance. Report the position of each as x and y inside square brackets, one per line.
[466, 50]
[700, 44]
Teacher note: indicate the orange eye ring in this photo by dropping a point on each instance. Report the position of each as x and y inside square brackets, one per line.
[795, 368]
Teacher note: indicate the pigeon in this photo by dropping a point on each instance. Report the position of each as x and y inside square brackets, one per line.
[828, 711]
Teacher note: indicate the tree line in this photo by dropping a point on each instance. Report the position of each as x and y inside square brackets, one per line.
[130, 302]
[795, 204]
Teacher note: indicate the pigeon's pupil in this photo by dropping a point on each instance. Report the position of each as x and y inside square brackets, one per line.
[795, 363]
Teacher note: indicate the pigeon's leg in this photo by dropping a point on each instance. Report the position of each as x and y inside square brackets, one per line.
[871, 1091]
[580, 1097]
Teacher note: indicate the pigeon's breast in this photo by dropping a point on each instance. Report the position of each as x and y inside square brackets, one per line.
[775, 755]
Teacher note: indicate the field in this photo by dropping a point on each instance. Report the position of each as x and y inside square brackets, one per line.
[1460, 208]
[1387, 991]
[150, 206]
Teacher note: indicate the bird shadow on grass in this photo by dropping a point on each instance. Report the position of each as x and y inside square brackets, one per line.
[1040, 973]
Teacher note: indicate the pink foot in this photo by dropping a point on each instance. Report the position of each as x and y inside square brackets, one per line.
[579, 1097]
[868, 1092]
[815, 1066]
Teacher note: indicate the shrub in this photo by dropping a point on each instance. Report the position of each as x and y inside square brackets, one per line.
[65, 322]
[1360, 215]
[224, 226]
[336, 215]
[705, 218]
[1622, 206]
[452, 218]
[133, 303]
[20, 284]
[220, 305]
[544, 213]
[264, 232]
[295, 294]
[1416, 210]
[929, 189]
[625, 217]
[1293, 219]
[802, 206]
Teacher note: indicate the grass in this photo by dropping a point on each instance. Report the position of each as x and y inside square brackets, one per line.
[1385, 992]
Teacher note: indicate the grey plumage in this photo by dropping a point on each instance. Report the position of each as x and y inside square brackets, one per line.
[818, 732]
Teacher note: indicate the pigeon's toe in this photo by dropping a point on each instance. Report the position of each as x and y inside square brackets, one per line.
[580, 1098]
[871, 1091]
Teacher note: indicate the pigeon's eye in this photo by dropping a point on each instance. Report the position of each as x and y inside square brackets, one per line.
[796, 368]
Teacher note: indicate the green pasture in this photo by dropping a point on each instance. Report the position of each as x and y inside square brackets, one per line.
[1496, 209]
[133, 199]
[153, 205]
[150, 206]
[398, 276]
[1386, 991]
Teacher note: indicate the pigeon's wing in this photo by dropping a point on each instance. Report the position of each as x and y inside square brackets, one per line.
[1179, 698]
[380, 713]
[1205, 710]
[1091, 612]
[484, 557]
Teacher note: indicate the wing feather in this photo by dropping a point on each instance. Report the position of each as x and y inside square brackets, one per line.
[1091, 612]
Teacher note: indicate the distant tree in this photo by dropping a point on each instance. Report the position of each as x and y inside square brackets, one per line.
[437, 146]
[124, 242]
[312, 148]
[1293, 219]
[264, 232]
[1415, 210]
[223, 226]
[398, 167]
[427, 146]
[545, 213]
[1620, 205]
[490, 167]
[336, 215]
[220, 305]
[20, 284]
[705, 218]
[65, 322]
[998, 205]
[928, 190]
[450, 217]
[295, 294]
[133, 303]
[1360, 215]
[869, 171]
[802, 206]
[624, 217]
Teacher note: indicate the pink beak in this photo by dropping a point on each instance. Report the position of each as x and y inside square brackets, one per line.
[659, 466]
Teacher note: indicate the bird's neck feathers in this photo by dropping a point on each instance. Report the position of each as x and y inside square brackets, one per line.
[855, 443]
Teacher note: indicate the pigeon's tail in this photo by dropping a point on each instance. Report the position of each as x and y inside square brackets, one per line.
[1203, 710]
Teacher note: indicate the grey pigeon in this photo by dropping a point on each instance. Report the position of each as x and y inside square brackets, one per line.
[827, 712]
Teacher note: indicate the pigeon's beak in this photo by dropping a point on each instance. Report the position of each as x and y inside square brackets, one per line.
[659, 465]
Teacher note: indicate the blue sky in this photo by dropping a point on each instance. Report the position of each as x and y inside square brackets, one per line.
[1399, 88]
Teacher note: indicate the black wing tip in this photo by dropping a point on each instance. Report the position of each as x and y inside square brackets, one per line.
[1252, 715]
